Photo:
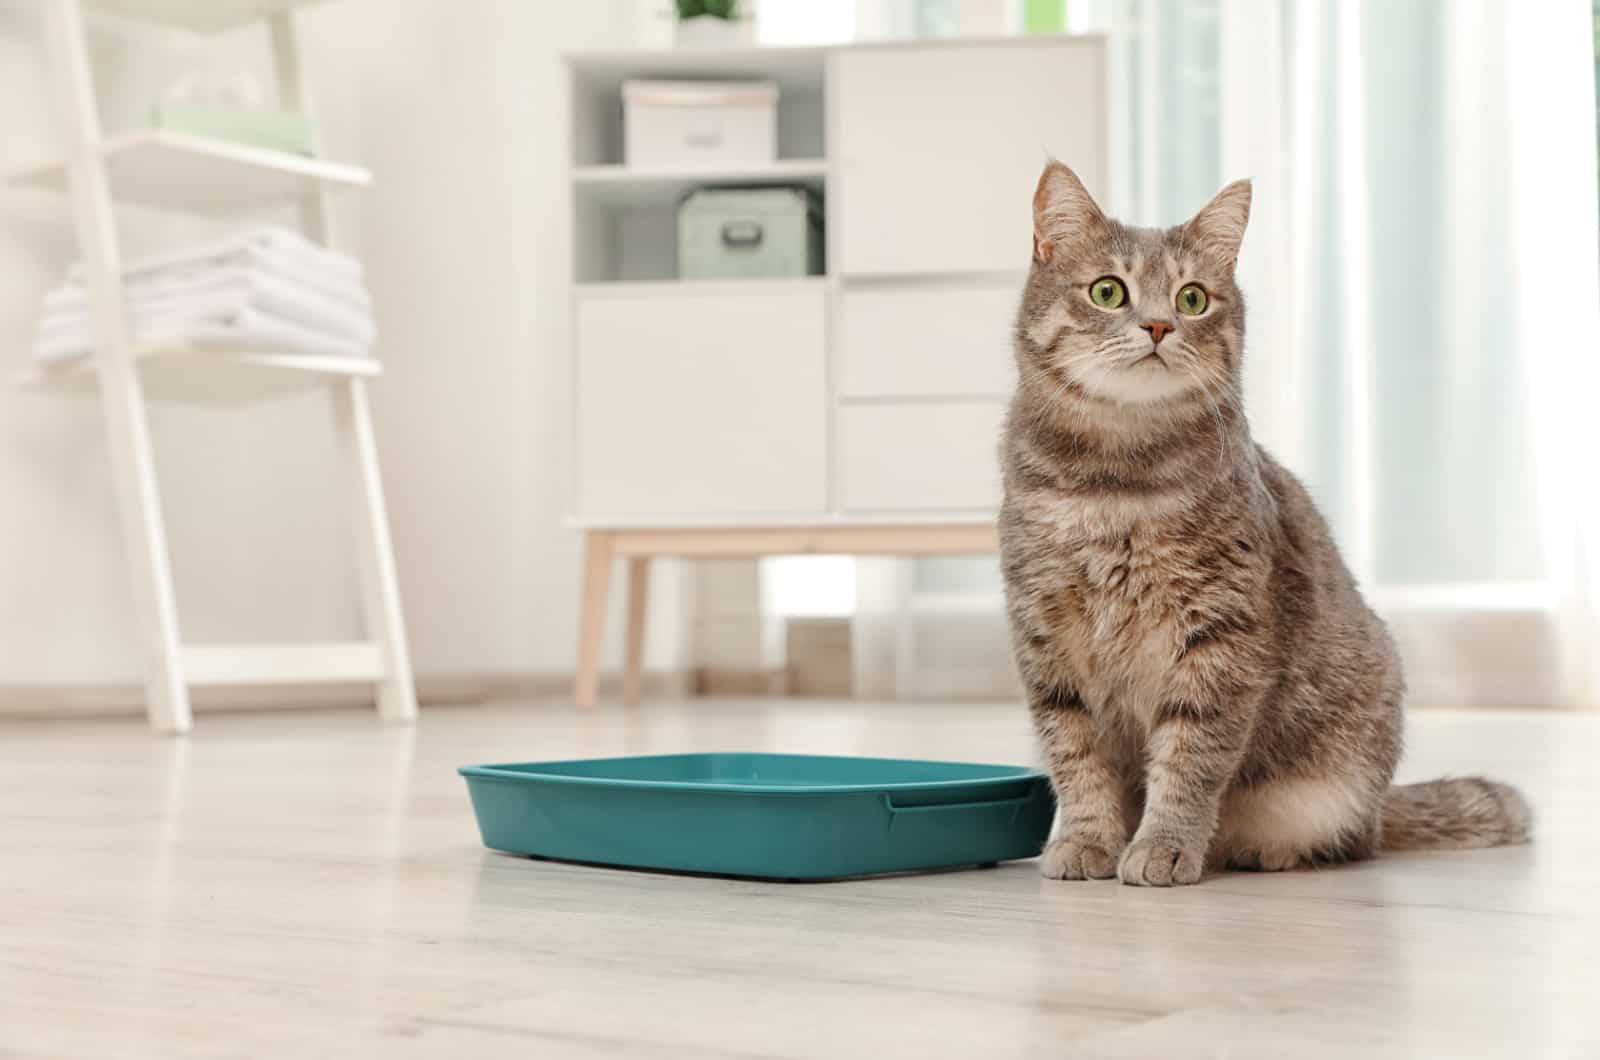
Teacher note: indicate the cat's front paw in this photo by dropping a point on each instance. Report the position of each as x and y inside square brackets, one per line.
[1073, 858]
[1160, 863]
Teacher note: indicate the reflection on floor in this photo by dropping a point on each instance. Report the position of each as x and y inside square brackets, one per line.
[311, 884]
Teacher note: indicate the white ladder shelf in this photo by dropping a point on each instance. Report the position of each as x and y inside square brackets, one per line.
[164, 168]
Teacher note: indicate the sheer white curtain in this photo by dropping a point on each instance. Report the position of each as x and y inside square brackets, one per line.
[1423, 267]
[1426, 315]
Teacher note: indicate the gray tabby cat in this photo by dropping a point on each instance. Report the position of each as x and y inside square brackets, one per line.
[1207, 683]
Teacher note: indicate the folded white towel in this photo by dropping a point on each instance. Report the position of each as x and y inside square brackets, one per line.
[336, 287]
[245, 331]
[219, 292]
[274, 241]
[265, 289]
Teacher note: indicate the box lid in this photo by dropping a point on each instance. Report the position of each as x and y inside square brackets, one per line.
[699, 93]
[766, 200]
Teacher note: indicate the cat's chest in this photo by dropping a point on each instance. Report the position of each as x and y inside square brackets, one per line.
[1110, 592]
[1123, 603]
[1125, 585]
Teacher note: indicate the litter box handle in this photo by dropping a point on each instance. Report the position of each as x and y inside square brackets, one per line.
[1015, 800]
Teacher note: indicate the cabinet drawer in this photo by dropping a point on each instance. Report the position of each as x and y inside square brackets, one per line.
[702, 400]
[927, 342]
[924, 457]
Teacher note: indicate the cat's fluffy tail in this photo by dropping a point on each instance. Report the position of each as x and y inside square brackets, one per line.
[1455, 813]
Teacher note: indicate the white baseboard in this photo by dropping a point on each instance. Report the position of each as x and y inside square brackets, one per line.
[111, 701]
[1479, 658]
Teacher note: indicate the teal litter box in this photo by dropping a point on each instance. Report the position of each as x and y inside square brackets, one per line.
[773, 816]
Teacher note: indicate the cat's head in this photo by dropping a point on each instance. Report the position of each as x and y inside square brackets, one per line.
[1134, 316]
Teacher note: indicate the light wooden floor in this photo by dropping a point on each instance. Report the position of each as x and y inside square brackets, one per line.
[312, 885]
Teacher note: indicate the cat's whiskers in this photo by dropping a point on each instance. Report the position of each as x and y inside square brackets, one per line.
[1224, 446]
[1046, 409]
[1213, 396]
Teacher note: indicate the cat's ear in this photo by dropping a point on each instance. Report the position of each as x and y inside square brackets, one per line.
[1063, 213]
[1219, 226]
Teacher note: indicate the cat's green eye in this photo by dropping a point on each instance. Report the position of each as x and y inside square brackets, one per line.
[1107, 292]
[1192, 300]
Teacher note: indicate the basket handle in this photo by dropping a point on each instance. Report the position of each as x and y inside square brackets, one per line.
[742, 235]
[1015, 800]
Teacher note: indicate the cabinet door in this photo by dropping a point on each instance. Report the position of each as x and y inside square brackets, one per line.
[701, 401]
[940, 146]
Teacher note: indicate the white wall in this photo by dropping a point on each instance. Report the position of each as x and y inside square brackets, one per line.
[457, 108]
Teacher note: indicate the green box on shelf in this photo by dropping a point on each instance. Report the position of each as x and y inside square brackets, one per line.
[747, 233]
[274, 130]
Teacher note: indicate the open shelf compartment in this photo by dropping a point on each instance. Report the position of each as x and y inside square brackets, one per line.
[625, 217]
[597, 79]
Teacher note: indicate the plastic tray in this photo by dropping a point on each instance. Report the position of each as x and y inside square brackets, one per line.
[793, 817]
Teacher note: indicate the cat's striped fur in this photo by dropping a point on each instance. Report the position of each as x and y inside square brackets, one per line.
[1208, 685]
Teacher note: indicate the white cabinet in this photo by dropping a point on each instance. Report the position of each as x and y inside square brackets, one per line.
[871, 395]
[857, 412]
[702, 401]
[939, 146]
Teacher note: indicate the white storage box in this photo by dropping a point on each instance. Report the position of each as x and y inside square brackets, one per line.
[687, 123]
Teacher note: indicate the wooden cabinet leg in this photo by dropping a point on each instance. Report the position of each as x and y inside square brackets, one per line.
[592, 621]
[638, 604]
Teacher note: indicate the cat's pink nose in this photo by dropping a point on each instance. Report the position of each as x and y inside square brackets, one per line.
[1157, 329]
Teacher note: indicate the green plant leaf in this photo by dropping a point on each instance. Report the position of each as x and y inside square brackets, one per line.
[724, 9]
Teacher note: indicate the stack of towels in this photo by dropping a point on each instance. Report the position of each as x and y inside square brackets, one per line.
[259, 290]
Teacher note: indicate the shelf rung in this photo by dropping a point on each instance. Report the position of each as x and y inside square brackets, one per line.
[624, 186]
[198, 16]
[198, 174]
[290, 663]
[196, 376]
